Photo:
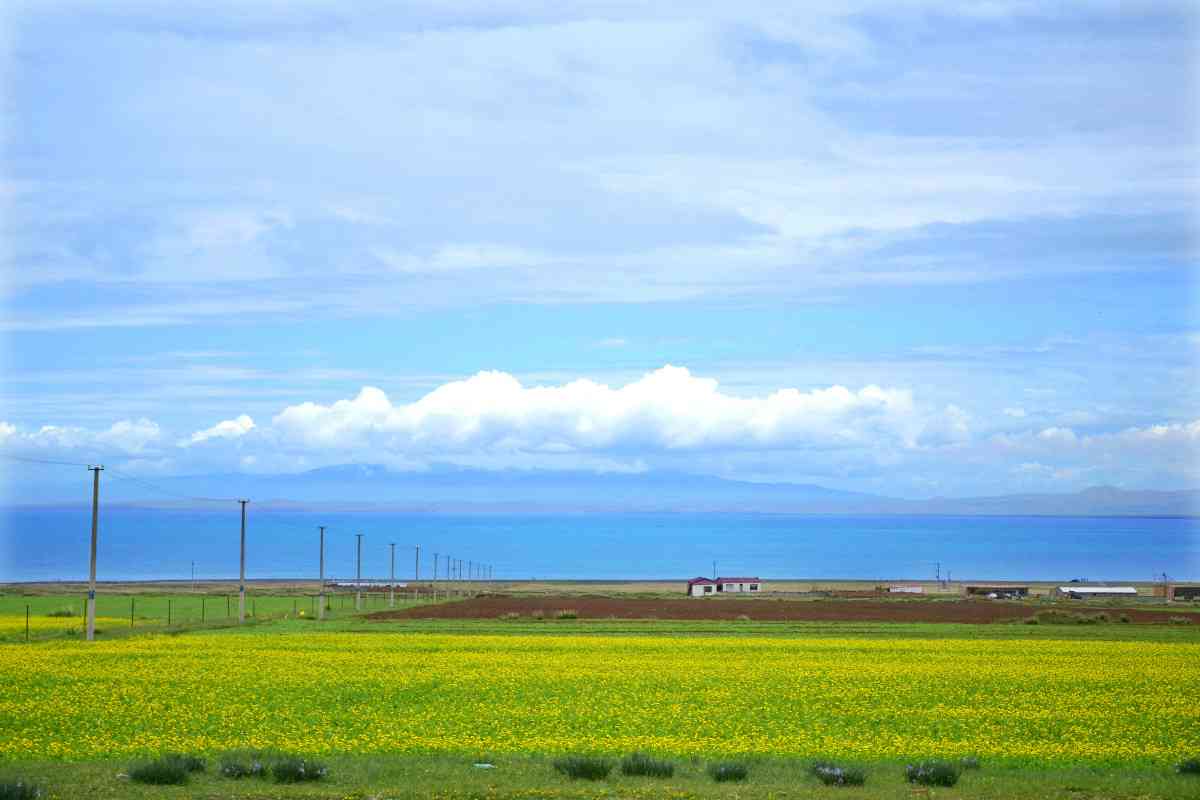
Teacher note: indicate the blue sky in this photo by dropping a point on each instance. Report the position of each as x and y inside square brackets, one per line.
[978, 220]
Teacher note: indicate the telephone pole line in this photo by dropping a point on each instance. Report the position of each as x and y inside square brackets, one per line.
[242, 572]
[392, 580]
[91, 606]
[321, 590]
[358, 579]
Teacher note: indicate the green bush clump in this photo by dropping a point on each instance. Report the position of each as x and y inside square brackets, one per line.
[1067, 618]
[293, 769]
[62, 612]
[724, 771]
[244, 765]
[190, 763]
[932, 773]
[1189, 766]
[585, 767]
[969, 762]
[19, 790]
[832, 774]
[567, 613]
[160, 772]
[1181, 620]
[642, 764]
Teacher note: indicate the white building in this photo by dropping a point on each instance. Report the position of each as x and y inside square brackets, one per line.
[706, 587]
[1086, 592]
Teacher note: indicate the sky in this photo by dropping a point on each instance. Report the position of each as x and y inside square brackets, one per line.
[908, 248]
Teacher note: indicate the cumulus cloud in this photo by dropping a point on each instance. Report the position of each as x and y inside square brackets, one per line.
[668, 410]
[126, 436]
[226, 429]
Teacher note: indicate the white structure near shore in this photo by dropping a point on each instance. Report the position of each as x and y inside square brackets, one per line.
[1085, 592]
[706, 587]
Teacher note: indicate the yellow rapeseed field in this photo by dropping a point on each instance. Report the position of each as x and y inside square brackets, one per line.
[1041, 701]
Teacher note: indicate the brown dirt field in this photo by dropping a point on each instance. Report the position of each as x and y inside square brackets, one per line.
[971, 611]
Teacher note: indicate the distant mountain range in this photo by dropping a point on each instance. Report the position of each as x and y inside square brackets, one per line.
[450, 489]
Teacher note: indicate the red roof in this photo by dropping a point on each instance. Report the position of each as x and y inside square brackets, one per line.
[737, 580]
[700, 581]
[715, 581]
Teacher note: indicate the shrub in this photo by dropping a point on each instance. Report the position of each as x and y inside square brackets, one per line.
[932, 773]
[1068, 618]
[1123, 618]
[642, 764]
[190, 763]
[162, 772]
[567, 613]
[293, 769]
[537, 613]
[832, 774]
[19, 790]
[239, 767]
[969, 762]
[724, 771]
[62, 612]
[510, 615]
[1181, 620]
[587, 768]
[1189, 766]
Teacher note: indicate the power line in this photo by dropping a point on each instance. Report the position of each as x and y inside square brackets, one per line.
[156, 488]
[29, 460]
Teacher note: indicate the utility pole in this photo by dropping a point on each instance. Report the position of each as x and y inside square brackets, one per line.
[714, 570]
[470, 573]
[321, 589]
[435, 559]
[417, 565]
[938, 572]
[358, 579]
[392, 580]
[91, 610]
[242, 573]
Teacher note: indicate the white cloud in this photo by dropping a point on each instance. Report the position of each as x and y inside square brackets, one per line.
[1015, 412]
[126, 436]
[668, 410]
[226, 429]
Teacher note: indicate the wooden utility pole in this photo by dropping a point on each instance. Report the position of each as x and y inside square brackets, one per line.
[242, 571]
[91, 606]
[321, 589]
[358, 579]
[435, 560]
[392, 579]
[417, 564]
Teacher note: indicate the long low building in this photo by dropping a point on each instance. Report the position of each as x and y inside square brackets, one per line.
[1084, 592]
[700, 587]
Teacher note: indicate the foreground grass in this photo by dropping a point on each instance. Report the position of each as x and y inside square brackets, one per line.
[385, 777]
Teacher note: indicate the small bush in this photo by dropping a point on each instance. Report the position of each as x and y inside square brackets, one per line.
[932, 773]
[249, 767]
[567, 613]
[190, 763]
[969, 762]
[162, 772]
[62, 612]
[1181, 620]
[1123, 618]
[292, 769]
[1189, 766]
[1069, 618]
[589, 769]
[537, 613]
[19, 790]
[508, 615]
[832, 774]
[642, 764]
[724, 771]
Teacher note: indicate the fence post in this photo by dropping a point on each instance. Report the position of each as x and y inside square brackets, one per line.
[27, 623]
[254, 607]
[294, 601]
[168, 612]
[203, 610]
[226, 605]
[131, 612]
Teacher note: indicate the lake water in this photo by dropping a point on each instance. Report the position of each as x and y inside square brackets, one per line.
[143, 543]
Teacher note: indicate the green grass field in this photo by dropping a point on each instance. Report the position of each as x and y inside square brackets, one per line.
[404, 709]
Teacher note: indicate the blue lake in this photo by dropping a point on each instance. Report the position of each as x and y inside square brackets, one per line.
[146, 543]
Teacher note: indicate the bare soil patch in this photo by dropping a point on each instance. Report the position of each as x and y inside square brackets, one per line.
[591, 607]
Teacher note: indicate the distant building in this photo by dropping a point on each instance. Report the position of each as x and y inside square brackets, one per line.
[1078, 592]
[704, 587]
[995, 591]
[906, 590]
[1183, 593]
